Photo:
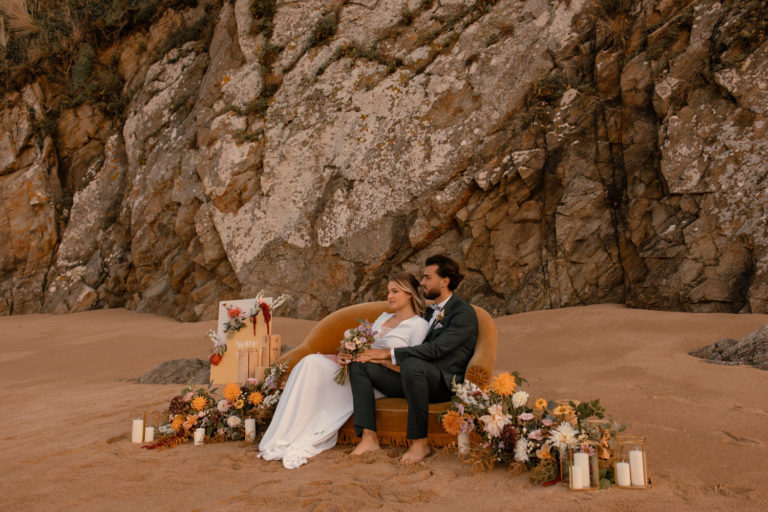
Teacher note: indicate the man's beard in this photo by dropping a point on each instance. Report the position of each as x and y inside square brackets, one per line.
[431, 294]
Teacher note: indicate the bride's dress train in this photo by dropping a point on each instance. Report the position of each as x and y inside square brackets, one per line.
[313, 406]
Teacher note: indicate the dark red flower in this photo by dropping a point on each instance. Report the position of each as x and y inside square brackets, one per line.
[215, 359]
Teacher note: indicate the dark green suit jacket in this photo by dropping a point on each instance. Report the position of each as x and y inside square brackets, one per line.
[450, 342]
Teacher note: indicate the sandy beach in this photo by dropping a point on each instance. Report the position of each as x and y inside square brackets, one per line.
[67, 389]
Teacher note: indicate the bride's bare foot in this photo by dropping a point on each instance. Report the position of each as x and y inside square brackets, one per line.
[417, 452]
[368, 443]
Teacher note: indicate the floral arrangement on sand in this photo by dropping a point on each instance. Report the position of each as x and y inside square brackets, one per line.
[355, 342]
[508, 427]
[236, 321]
[223, 418]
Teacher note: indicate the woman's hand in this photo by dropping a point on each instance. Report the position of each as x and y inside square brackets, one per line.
[343, 358]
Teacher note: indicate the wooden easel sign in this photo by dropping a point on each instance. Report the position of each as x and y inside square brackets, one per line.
[250, 331]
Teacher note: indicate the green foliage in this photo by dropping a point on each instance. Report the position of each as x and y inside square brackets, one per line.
[263, 12]
[588, 409]
[63, 37]
[103, 88]
[83, 65]
[269, 54]
[548, 89]
[615, 7]
[325, 28]
[201, 30]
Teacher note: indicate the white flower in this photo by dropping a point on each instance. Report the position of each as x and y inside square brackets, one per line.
[519, 399]
[214, 337]
[270, 400]
[521, 450]
[563, 435]
[222, 406]
[470, 394]
[495, 420]
[233, 421]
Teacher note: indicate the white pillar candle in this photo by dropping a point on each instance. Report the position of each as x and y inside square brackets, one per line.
[622, 474]
[137, 431]
[577, 477]
[199, 436]
[636, 467]
[250, 429]
[463, 443]
[149, 434]
[581, 460]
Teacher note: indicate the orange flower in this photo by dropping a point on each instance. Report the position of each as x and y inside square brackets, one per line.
[543, 453]
[452, 422]
[177, 422]
[541, 404]
[199, 403]
[191, 421]
[234, 312]
[504, 384]
[256, 398]
[563, 410]
[231, 392]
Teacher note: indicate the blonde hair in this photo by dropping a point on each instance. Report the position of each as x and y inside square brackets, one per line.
[410, 285]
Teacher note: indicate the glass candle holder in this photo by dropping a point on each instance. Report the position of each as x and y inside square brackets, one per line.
[581, 469]
[630, 463]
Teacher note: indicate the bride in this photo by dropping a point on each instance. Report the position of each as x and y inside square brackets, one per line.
[313, 406]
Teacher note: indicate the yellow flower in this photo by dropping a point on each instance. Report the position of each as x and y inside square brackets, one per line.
[541, 404]
[177, 422]
[452, 422]
[239, 404]
[231, 392]
[199, 403]
[563, 410]
[504, 384]
[256, 398]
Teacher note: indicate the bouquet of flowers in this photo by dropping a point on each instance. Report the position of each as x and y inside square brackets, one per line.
[507, 430]
[222, 418]
[355, 342]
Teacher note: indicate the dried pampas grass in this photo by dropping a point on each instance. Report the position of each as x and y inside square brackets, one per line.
[19, 17]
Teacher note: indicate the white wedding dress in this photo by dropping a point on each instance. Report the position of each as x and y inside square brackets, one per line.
[313, 406]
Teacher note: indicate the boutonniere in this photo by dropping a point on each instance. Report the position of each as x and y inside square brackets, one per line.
[440, 316]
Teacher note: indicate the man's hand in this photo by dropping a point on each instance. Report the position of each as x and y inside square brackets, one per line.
[374, 355]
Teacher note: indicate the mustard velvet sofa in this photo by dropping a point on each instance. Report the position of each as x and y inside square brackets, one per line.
[392, 413]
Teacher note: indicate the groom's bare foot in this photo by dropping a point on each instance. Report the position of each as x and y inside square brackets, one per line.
[368, 443]
[417, 452]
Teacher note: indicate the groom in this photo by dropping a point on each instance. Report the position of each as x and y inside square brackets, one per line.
[426, 370]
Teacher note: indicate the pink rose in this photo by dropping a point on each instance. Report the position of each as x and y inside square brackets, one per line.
[350, 345]
[536, 434]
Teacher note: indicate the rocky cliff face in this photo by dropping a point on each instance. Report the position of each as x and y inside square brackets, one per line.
[565, 153]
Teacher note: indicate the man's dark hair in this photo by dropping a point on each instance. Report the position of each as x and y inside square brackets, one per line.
[446, 267]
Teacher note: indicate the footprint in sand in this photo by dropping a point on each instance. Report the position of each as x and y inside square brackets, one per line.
[114, 439]
[734, 439]
[749, 410]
